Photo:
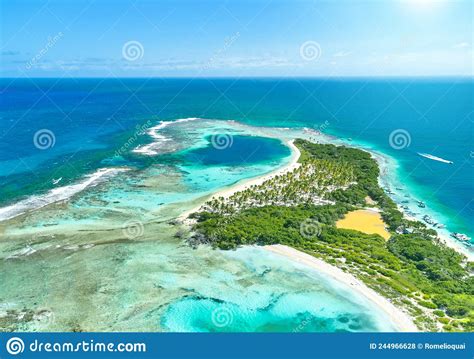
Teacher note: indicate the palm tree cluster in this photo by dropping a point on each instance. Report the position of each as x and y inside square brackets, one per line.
[308, 184]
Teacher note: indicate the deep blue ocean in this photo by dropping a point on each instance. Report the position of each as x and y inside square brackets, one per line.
[91, 119]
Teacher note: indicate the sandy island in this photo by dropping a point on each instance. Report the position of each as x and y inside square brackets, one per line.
[399, 318]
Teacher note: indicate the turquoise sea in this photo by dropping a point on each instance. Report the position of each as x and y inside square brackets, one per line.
[92, 171]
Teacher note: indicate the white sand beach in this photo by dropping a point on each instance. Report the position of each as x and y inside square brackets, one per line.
[399, 318]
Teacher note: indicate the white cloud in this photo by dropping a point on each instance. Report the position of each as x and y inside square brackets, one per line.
[461, 45]
[169, 64]
[342, 53]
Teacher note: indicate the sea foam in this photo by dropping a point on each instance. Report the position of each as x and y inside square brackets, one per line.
[152, 149]
[56, 194]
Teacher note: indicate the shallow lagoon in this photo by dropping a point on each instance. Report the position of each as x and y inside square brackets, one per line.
[237, 151]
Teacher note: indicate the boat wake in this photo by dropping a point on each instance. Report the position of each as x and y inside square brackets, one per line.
[435, 158]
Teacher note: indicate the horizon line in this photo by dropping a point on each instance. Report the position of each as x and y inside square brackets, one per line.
[247, 77]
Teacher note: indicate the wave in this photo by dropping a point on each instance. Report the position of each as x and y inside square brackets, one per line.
[56, 194]
[435, 158]
[152, 149]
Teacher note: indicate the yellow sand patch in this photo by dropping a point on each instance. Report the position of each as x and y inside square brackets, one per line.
[364, 221]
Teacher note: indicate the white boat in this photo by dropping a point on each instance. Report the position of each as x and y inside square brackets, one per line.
[460, 236]
[435, 158]
[56, 181]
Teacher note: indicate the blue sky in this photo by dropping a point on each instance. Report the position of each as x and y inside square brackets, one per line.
[235, 38]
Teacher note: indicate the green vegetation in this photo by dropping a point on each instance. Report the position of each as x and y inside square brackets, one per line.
[415, 270]
[311, 183]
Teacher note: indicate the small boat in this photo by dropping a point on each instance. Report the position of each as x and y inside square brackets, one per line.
[440, 225]
[428, 219]
[56, 181]
[435, 158]
[460, 236]
[421, 204]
